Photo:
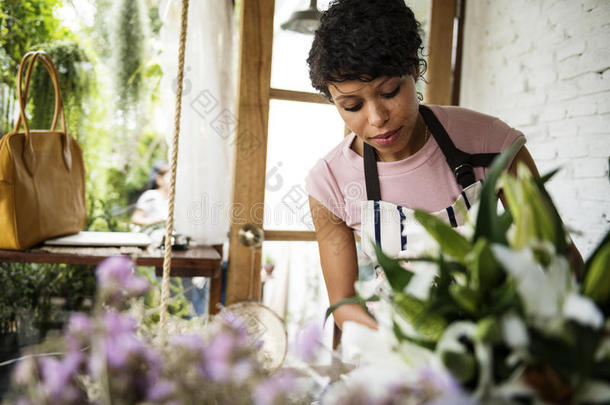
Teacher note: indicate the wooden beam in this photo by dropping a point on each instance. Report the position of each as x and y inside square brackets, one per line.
[292, 95]
[440, 47]
[252, 112]
[291, 236]
[459, 48]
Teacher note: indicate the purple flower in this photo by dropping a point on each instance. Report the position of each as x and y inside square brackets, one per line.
[160, 391]
[242, 370]
[116, 324]
[116, 280]
[191, 341]
[80, 324]
[25, 371]
[114, 270]
[308, 341]
[275, 387]
[80, 331]
[438, 381]
[219, 355]
[57, 379]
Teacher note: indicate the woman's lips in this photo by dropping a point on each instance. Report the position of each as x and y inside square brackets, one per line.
[387, 138]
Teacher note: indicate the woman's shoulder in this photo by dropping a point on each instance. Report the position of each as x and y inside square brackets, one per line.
[333, 160]
[455, 116]
[474, 131]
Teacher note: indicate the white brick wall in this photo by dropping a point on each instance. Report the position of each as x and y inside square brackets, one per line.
[544, 67]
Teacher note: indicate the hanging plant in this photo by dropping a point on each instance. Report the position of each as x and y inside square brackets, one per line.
[128, 39]
[68, 58]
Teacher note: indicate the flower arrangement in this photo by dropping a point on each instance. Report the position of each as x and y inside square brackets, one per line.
[491, 314]
[117, 356]
[497, 305]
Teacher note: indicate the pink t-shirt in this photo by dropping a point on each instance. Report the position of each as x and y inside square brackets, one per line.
[423, 180]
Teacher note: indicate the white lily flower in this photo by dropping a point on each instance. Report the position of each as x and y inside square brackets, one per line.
[514, 331]
[560, 275]
[363, 345]
[420, 242]
[422, 280]
[450, 341]
[594, 392]
[513, 387]
[583, 310]
[368, 288]
[603, 351]
[541, 304]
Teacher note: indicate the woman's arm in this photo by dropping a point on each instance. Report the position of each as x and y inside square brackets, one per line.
[139, 218]
[339, 263]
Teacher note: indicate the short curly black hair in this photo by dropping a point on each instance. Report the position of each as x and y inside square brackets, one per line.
[363, 40]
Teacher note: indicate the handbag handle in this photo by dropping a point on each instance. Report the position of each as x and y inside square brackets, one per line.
[29, 155]
[50, 66]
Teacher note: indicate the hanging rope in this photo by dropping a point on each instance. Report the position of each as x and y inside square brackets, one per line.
[167, 260]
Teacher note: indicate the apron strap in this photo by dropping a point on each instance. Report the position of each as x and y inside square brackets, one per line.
[370, 173]
[460, 162]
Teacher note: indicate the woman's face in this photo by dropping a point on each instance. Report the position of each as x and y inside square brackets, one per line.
[382, 113]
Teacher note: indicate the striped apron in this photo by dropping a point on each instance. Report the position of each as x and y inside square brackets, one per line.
[389, 225]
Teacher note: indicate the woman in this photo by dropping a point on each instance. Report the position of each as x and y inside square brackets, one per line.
[366, 58]
[151, 207]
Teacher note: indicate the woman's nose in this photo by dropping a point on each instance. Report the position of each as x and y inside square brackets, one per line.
[378, 114]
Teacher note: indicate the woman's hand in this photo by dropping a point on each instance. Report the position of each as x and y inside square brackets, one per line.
[339, 263]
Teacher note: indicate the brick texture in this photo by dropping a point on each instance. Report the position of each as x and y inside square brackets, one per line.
[544, 67]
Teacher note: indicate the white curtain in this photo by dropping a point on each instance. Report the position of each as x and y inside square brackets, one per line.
[205, 156]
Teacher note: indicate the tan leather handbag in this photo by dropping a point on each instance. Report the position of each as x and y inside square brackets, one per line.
[42, 175]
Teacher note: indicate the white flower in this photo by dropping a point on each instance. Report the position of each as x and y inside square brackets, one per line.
[451, 341]
[583, 310]
[540, 296]
[422, 280]
[368, 288]
[419, 242]
[361, 345]
[594, 392]
[514, 331]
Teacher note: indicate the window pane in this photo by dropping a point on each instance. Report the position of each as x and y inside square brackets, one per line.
[299, 135]
[290, 49]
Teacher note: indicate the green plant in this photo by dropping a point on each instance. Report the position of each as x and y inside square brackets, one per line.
[504, 305]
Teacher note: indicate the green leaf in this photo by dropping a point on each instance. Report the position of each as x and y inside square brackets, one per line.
[561, 244]
[545, 178]
[462, 365]
[587, 265]
[485, 270]
[488, 223]
[597, 282]
[466, 298]
[451, 242]
[402, 337]
[502, 298]
[397, 276]
[351, 300]
[430, 326]
[489, 330]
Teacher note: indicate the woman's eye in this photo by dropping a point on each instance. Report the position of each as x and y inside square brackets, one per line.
[353, 108]
[392, 93]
